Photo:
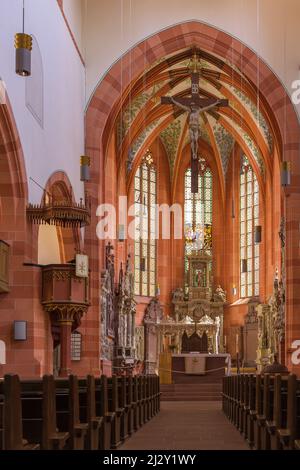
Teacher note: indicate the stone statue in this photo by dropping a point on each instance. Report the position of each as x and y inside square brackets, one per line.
[219, 294]
[281, 232]
[178, 294]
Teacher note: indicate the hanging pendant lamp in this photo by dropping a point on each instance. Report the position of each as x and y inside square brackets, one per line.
[23, 45]
[285, 173]
[85, 163]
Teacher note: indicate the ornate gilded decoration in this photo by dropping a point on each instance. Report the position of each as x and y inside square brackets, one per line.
[257, 115]
[170, 137]
[225, 142]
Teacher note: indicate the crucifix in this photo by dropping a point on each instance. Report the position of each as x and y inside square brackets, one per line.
[194, 105]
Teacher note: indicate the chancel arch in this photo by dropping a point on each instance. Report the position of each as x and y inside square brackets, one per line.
[224, 133]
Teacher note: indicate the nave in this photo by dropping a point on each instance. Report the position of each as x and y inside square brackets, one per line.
[149, 225]
[187, 425]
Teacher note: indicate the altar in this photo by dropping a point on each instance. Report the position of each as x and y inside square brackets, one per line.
[214, 365]
[194, 326]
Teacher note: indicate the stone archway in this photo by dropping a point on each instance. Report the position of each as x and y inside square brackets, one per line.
[103, 108]
[22, 302]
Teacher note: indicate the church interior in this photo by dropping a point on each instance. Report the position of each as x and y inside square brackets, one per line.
[149, 224]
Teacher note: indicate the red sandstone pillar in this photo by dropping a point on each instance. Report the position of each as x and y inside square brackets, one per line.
[65, 348]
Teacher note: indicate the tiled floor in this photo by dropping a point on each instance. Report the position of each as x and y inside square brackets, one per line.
[187, 425]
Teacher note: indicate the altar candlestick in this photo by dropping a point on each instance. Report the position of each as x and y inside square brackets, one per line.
[237, 343]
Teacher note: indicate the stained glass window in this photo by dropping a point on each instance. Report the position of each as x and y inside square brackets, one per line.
[198, 212]
[249, 219]
[145, 228]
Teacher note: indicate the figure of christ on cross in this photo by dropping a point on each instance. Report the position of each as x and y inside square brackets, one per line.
[194, 106]
[194, 125]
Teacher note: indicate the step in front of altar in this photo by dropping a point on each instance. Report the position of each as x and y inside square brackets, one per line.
[191, 392]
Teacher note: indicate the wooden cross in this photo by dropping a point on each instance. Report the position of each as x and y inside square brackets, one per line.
[194, 105]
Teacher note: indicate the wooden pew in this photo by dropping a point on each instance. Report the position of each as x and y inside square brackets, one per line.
[155, 395]
[124, 406]
[150, 396]
[39, 413]
[103, 410]
[68, 419]
[116, 412]
[158, 393]
[1, 415]
[87, 412]
[252, 411]
[51, 438]
[13, 429]
[142, 400]
[95, 422]
[133, 405]
[288, 434]
[230, 398]
[241, 403]
[275, 417]
[137, 401]
[267, 411]
[246, 408]
[147, 399]
[235, 400]
[258, 414]
[224, 395]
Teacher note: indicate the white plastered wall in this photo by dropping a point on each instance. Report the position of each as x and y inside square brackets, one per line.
[269, 27]
[59, 144]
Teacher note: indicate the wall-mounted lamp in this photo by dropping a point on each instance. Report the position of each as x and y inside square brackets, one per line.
[244, 266]
[234, 290]
[23, 45]
[285, 173]
[121, 232]
[257, 234]
[20, 330]
[85, 163]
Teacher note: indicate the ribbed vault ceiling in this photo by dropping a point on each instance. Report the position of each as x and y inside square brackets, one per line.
[142, 118]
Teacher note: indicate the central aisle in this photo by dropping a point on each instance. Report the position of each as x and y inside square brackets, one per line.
[187, 425]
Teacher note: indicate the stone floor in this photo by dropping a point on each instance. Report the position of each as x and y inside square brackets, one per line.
[187, 425]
